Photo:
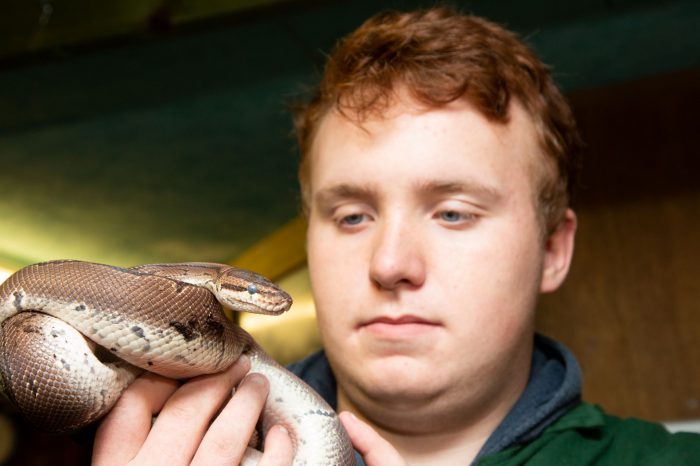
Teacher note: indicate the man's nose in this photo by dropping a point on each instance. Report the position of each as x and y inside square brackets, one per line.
[397, 256]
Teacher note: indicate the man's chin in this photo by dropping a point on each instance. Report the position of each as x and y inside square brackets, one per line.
[400, 382]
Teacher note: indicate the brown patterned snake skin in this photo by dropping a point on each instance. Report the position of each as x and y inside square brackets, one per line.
[59, 319]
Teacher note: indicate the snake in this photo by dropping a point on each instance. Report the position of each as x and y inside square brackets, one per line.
[75, 334]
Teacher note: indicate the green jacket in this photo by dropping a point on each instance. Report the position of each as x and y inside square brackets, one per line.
[549, 425]
[587, 436]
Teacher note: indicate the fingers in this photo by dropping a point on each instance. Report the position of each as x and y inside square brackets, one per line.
[184, 419]
[279, 450]
[127, 433]
[227, 437]
[374, 449]
[123, 431]
[184, 432]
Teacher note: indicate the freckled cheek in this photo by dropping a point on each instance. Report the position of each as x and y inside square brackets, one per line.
[492, 277]
[336, 316]
[335, 280]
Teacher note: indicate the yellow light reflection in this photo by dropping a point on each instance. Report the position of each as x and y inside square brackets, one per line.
[7, 438]
[4, 273]
[293, 335]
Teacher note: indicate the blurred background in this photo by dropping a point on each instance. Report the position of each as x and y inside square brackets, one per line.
[138, 131]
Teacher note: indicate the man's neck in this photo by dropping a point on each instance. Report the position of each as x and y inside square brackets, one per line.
[453, 448]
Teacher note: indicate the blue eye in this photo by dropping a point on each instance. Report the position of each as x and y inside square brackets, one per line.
[451, 216]
[252, 289]
[456, 218]
[353, 219]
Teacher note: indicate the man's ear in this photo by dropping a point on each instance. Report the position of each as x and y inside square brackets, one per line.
[558, 251]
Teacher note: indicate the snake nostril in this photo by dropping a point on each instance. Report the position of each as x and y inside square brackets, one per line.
[252, 289]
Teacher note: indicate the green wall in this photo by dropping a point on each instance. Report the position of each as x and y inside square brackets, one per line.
[177, 145]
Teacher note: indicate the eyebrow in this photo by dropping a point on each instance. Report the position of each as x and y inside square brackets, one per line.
[344, 191]
[481, 191]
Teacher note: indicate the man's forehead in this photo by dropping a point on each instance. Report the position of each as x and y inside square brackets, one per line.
[368, 123]
[340, 134]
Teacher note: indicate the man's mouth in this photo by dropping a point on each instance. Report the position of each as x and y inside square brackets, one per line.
[399, 327]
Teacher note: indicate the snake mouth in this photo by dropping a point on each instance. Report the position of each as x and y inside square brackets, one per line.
[262, 306]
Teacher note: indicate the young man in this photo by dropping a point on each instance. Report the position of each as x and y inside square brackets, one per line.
[437, 162]
[435, 172]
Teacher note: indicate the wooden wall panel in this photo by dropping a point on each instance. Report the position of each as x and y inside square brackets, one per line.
[631, 307]
[630, 310]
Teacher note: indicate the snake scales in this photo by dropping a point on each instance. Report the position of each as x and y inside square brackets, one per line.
[74, 334]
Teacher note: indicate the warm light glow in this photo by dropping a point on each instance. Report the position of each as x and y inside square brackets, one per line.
[4, 273]
[297, 285]
[292, 335]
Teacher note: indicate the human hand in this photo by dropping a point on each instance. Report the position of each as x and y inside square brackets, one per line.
[374, 449]
[198, 422]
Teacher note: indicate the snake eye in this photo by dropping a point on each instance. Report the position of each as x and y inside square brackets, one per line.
[252, 289]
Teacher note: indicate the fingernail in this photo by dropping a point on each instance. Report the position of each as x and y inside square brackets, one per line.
[254, 377]
[243, 359]
[282, 429]
[350, 416]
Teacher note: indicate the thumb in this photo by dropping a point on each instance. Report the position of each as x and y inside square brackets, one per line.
[374, 449]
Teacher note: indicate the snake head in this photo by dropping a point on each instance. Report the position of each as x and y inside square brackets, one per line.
[243, 290]
[236, 288]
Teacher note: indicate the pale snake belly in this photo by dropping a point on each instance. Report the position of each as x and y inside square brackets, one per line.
[60, 320]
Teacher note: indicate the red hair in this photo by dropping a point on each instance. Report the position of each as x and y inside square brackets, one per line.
[439, 55]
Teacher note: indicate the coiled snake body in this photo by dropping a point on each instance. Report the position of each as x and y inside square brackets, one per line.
[60, 320]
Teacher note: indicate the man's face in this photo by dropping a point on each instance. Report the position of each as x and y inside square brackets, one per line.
[425, 255]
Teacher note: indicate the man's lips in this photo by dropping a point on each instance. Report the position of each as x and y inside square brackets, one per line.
[401, 320]
[405, 326]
